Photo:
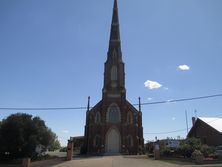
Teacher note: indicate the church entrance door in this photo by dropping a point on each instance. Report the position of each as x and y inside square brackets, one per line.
[113, 141]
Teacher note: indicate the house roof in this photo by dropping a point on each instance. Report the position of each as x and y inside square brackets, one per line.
[214, 122]
[78, 137]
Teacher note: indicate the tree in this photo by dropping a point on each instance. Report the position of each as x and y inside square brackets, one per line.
[21, 133]
[55, 145]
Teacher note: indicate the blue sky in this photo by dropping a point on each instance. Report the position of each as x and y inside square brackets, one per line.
[52, 54]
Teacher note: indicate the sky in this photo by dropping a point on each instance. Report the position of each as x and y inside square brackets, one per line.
[52, 54]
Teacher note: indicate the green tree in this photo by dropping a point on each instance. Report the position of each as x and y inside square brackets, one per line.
[21, 133]
[55, 145]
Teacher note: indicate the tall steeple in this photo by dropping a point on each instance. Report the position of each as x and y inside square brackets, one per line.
[114, 41]
[114, 114]
[114, 75]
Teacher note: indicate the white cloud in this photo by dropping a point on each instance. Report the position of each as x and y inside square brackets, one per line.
[152, 84]
[184, 67]
[173, 118]
[165, 88]
[65, 131]
[149, 98]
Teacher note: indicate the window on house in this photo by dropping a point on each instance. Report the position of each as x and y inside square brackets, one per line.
[114, 73]
[97, 118]
[97, 141]
[129, 141]
[113, 114]
[136, 119]
[204, 140]
[129, 118]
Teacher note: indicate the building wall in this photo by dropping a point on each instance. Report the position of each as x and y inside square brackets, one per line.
[78, 143]
[206, 133]
[133, 130]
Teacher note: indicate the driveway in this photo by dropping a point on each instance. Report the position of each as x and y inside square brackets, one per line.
[113, 161]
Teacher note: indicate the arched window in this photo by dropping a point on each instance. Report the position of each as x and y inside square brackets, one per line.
[129, 141]
[114, 73]
[129, 118]
[136, 119]
[97, 118]
[113, 114]
[97, 141]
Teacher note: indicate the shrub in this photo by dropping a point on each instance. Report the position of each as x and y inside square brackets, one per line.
[207, 151]
[63, 149]
[188, 146]
[197, 156]
[166, 151]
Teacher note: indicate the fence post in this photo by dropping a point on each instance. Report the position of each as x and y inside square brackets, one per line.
[26, 162]
[157, 151]
[69, 150]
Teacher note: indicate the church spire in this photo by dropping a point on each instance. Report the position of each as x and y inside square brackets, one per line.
[114, 41]
[114, 75]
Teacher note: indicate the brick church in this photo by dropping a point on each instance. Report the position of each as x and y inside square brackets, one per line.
[114, 125]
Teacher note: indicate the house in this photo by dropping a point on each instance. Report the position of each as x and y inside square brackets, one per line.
[171, 143]
[78, 143]
[207, 129]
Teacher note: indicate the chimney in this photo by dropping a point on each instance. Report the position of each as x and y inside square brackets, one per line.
[193, 120]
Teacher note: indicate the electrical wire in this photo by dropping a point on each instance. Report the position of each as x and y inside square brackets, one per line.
[181, 130]
[49, 108]
[159, 133]
[83, 108]
[151, 103]
[181, 100]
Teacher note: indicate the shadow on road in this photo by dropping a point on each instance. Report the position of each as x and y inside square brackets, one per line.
[60, 161]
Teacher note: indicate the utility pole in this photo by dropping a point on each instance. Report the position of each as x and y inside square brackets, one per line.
[186, 120]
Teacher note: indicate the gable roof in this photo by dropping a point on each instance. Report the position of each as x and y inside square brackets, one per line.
[214, 122]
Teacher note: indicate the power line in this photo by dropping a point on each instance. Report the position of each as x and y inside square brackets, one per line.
[159, 133]
[181, 100]
[49, 108]
[82, 108]
[180, 130]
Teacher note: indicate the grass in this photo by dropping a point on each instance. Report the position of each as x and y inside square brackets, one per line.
[189, 162]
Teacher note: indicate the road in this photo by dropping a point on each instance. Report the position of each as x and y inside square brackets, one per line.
[112, 161]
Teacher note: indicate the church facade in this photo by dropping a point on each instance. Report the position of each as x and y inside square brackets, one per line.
[114, 125]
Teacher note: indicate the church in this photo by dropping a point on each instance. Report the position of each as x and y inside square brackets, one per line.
[113, 125]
